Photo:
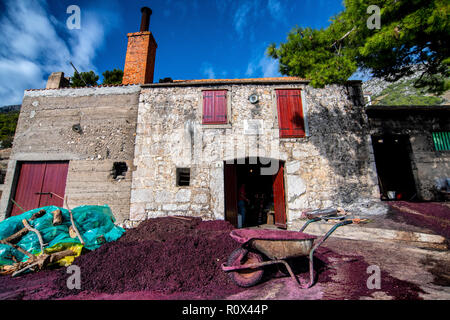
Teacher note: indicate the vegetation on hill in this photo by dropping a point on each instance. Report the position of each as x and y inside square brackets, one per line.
[8, 123]
[405, 93]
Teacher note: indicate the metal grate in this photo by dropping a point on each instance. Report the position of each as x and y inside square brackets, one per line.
[441, 141]
[183, 177]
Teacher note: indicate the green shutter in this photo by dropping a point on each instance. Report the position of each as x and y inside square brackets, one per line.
[441, 141]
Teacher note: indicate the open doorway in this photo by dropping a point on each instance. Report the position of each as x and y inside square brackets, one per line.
[395, 175]
[253, 198]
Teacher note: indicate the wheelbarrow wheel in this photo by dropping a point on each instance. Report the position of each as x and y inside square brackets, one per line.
[247, 277]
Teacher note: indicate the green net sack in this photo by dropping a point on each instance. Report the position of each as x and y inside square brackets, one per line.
[95, 224]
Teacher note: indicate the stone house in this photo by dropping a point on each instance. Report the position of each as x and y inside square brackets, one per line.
[185, 147]
[411, 146]
[324, 159]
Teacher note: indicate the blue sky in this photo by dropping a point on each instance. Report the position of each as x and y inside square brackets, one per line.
[196, 39]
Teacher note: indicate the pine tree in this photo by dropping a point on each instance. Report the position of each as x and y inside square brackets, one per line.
[112, 77]
[411, 33]
[84, 79]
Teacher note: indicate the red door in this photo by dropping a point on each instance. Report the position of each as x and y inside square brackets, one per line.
[37, 185]
[279, 198]
[230, 179]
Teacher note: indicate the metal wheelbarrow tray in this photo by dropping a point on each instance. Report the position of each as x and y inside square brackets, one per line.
[245, 264]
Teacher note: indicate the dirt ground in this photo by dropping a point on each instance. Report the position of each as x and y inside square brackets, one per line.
[166, 259]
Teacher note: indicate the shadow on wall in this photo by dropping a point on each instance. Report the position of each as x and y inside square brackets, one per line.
[340, 134]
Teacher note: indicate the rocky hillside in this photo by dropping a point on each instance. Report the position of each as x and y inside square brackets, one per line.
[12, 108]
[402, 92]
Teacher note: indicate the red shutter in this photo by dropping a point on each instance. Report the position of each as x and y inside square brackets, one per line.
[215, 107]
[290, 113]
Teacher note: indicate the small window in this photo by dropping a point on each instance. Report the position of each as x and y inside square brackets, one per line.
[441, 141]
[183, 177]
[290, 114]
[119, 170]
[2, 176]
[215, 107]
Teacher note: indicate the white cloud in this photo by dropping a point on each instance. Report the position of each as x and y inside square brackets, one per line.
[240, 18]
[249, 12]
[208, 71]
[276, 10]
[263, 66]
[34, 43]
[15, 75]
[245, 17]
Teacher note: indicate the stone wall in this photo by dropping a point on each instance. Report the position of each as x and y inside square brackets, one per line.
[427, 164]
[4, 157]
[107, 119]
[332, 166]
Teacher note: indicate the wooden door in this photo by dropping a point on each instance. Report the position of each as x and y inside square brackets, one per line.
[230, 180]
[37, 181]
[54, 183]
[279, 198]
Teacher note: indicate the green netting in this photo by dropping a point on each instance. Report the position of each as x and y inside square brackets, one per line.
[95, 224]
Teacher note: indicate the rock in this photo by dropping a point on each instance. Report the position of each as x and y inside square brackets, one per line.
[183, 195]
[296, 187]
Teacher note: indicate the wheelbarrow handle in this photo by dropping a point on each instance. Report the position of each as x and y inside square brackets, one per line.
[308, 222]
[325, 237]
[326, 218]
[345, 222]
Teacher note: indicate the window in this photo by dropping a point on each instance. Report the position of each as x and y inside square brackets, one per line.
[215, 107]
[441, 141]
[119, 170]
[2, 176]
[183, 177]
[290, 113]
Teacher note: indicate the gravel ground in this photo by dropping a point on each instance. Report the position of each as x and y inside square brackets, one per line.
[169, 258]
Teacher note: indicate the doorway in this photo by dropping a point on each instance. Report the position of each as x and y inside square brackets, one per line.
[263, 193]
[39, 184]
[393, 162]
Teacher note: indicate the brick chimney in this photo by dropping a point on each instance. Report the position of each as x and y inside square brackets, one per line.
[141, 53]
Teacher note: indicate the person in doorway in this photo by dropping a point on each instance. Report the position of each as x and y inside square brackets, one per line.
[242, 202]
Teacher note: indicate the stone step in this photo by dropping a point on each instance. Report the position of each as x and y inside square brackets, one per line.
[359, 232]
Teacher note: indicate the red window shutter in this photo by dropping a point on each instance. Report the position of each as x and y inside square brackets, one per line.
[215, 107]
[290, 113]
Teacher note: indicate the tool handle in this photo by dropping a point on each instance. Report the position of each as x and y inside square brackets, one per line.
[345, 222]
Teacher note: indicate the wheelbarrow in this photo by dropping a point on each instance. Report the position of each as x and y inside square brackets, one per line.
[245, 264]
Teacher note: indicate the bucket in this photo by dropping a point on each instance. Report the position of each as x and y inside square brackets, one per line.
[391, 195]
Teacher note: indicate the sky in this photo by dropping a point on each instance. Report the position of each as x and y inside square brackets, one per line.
[197, 39]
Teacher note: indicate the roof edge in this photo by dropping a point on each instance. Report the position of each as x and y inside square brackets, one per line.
[192, 83]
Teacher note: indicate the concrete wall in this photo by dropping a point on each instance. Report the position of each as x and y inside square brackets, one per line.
[332, 166]
[427, 163]
[107, 117]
